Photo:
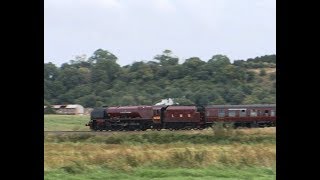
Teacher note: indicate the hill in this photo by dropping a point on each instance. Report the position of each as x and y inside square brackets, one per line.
[100, 80]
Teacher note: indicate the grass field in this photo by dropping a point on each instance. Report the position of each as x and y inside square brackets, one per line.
[146, 173]
[208, 154]
[66, 122]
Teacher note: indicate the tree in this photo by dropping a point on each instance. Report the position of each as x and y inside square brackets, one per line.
[89, 101]
[102, 55]
[234, 96]
[272, 76]
[105, 67]
[167, 58]
[50, 71]
[173, 92]
[70, 77]
[183, 101]
[219, 60]
[49, 109]
[262, 72]
[194, 66]
[218, 101]
[99, 80]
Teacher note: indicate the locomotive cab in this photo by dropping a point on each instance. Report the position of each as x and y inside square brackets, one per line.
[97, 117]
[98, 113]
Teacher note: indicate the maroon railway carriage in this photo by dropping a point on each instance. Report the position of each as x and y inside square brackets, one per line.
[242, 115]
[182, 117]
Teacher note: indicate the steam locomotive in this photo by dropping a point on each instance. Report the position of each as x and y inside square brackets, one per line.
[130, 118]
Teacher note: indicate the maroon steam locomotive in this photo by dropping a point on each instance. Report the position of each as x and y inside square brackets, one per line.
[181, 117]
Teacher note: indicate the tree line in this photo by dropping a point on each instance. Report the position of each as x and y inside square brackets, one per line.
[100, 80]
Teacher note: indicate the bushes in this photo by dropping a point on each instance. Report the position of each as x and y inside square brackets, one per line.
[188, 158]
[49, 110]
[127, 157]
[75, 168]
[262, 72]
[219, 135]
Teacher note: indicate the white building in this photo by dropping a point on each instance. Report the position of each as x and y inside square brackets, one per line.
[75, 109]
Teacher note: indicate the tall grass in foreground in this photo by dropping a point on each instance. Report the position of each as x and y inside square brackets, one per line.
[222, 137]
[126, 157]
[211, 154]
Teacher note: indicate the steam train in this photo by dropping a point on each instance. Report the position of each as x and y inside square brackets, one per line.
[130, 118]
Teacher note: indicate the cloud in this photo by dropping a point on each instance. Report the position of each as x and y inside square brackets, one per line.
[81, 4]
[108, 3]
[164, 5]
[139, 29]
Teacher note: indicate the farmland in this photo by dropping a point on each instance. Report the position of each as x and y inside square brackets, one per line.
[65, 122]
[207, 154]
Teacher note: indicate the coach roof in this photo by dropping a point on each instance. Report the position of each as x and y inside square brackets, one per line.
[241, 106]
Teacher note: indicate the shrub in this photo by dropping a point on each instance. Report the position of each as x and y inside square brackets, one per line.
[262, 72]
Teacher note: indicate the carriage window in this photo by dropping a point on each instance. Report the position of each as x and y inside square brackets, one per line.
[172, 115]
[208, 113]
[253, 113]
[273, 112]
[266, 112]
[221, 113]
[243, 113]
[232, 113]
[181, 115]
[189, 115]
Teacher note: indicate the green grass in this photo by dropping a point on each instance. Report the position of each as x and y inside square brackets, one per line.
[224, 154]
[127, 157]
[165, 137]
[66, 122]
[146, 173]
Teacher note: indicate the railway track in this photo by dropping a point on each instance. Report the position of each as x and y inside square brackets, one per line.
[128, 132]
[118, 132]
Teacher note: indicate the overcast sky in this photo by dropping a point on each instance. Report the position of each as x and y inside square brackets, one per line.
[135, 30]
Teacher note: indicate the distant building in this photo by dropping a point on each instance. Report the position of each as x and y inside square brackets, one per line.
[74, 109]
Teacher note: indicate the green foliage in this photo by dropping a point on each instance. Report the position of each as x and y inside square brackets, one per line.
[262, 72]
[267, 61]
[99, 80]
[183, 101]
[224, 135]
[167, 59]
[273, 76]
[48, 109]
[76, 168]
